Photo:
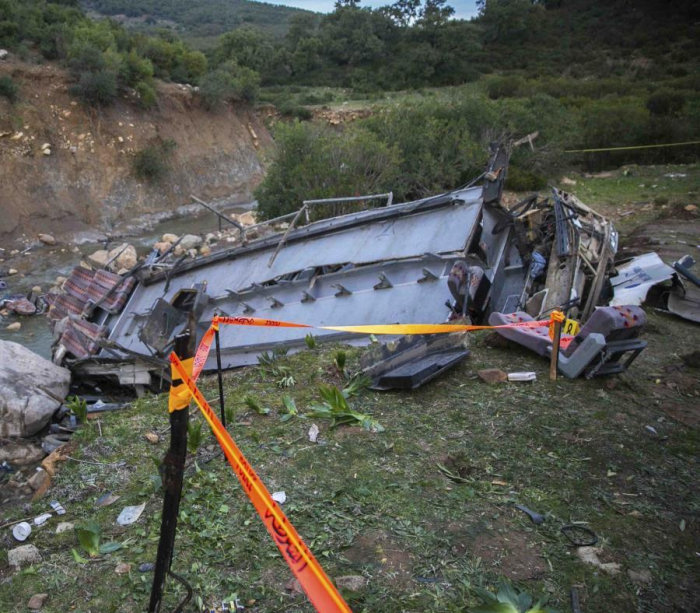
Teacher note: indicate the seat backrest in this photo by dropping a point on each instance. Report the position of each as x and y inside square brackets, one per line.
[615, 323]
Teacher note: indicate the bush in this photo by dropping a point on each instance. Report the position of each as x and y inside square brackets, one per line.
[228, 82]
[147, 95]
[152, 163]
[97, 88]
[504, 87]
[665, 102]
[8, 88]
[289, 109]
[314, 161]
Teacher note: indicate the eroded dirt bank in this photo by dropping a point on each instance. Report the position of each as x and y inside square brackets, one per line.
[87, 181]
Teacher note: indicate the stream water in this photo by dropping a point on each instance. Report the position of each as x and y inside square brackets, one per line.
[42, 264]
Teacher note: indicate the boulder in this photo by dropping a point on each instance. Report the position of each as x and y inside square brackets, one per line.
[125, 256]
[14, 327]
[162, 246]
[47, 239]
[24, 407]
[246, 219]
[23, 556]
[99, 258]
[205, 250]
[190, 241]
[169, 238]
[20, 453]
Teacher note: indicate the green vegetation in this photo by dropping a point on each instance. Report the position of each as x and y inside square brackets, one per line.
[376, 504]
[153, 163]
[8, 88]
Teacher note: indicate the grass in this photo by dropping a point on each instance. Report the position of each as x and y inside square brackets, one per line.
[377, 505]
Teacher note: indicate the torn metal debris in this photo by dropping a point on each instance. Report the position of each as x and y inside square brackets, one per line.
[462, 254]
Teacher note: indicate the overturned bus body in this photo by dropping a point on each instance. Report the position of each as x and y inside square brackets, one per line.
[458, 254]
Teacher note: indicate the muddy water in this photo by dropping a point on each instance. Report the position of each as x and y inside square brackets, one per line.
[41, 265]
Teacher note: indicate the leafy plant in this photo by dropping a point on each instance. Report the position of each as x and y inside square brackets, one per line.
[8, 88]
[78, 407]
[290, 408]
[338, 410]
[509, 600]
[195, 436]
[339, 360]
[153, 162]
[254, 405]
[230, 413]
[287, 379]
[357, 384]
[310, 341]
[89, 535]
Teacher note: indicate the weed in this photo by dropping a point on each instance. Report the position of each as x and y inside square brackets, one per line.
[195, 436]
[230, 413]
[509, 600]
[340, 360]
[310, 341]
[78, 407]
[89, 535]
[337, 409]
[254, 405]
[290, 408]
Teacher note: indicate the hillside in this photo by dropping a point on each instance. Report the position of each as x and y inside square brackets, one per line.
[200, 21]
[88, 179]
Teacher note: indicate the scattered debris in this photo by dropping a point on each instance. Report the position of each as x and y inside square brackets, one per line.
[522, 376]
[313, 433]
[279, 497]
[129, 515]
[58, 507]
[42, 519]
[589, 555]
[122, 568]
[146, 567]
[535, 517]
[21, 531]
[353, 583]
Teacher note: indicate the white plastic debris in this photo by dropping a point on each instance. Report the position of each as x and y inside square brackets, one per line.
[22, 531]
[313, 433]
[522, 376]
[58, 507]
[130, 514]
[279, 497]
[43, 518]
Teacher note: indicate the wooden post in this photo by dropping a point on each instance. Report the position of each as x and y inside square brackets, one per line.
[172, 471]
[555, 351]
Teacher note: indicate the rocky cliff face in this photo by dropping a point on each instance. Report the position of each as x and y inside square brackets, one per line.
[65, 168]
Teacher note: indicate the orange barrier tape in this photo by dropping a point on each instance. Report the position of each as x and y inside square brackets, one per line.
[318, 587]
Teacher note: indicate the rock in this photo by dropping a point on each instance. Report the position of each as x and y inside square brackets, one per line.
[12, 271]
[20, 453]
[3, 54]
[205, 250]
[47, 239]
[36, 289]
[192, 253]
[37, 601]
[23, 556]
[190, 241]
[40, 482]
[14, 327]
[46, 146]
[46, 151]
[24, 407]
[246, 219]
[354, 583]
[169, 238]
[122, 271]
[64, 526]
[146, 567]
[492, 376]
[125, 256]
[210, 238]
[162, 246]
[60, 281]
[589, 555]
[294, 586]
[99, 258]
[690, 208]
[152, 437]
[642, 577]
[122, 568]
[567, 181]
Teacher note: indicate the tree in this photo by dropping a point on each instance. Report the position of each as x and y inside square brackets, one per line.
[247, 46]
[403, 12]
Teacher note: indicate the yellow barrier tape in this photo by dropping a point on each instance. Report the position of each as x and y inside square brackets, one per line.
[179, 394]
[692, 142]
[318, 587]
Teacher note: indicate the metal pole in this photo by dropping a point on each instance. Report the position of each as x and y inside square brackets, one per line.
[172, 470]
[220, 377]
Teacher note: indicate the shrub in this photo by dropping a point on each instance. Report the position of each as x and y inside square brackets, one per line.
[97, 88]
[665, 102]
[504, 87]
[152, 163]
[289, 109]
[8, 88]
[314, 161]
[147, 95]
